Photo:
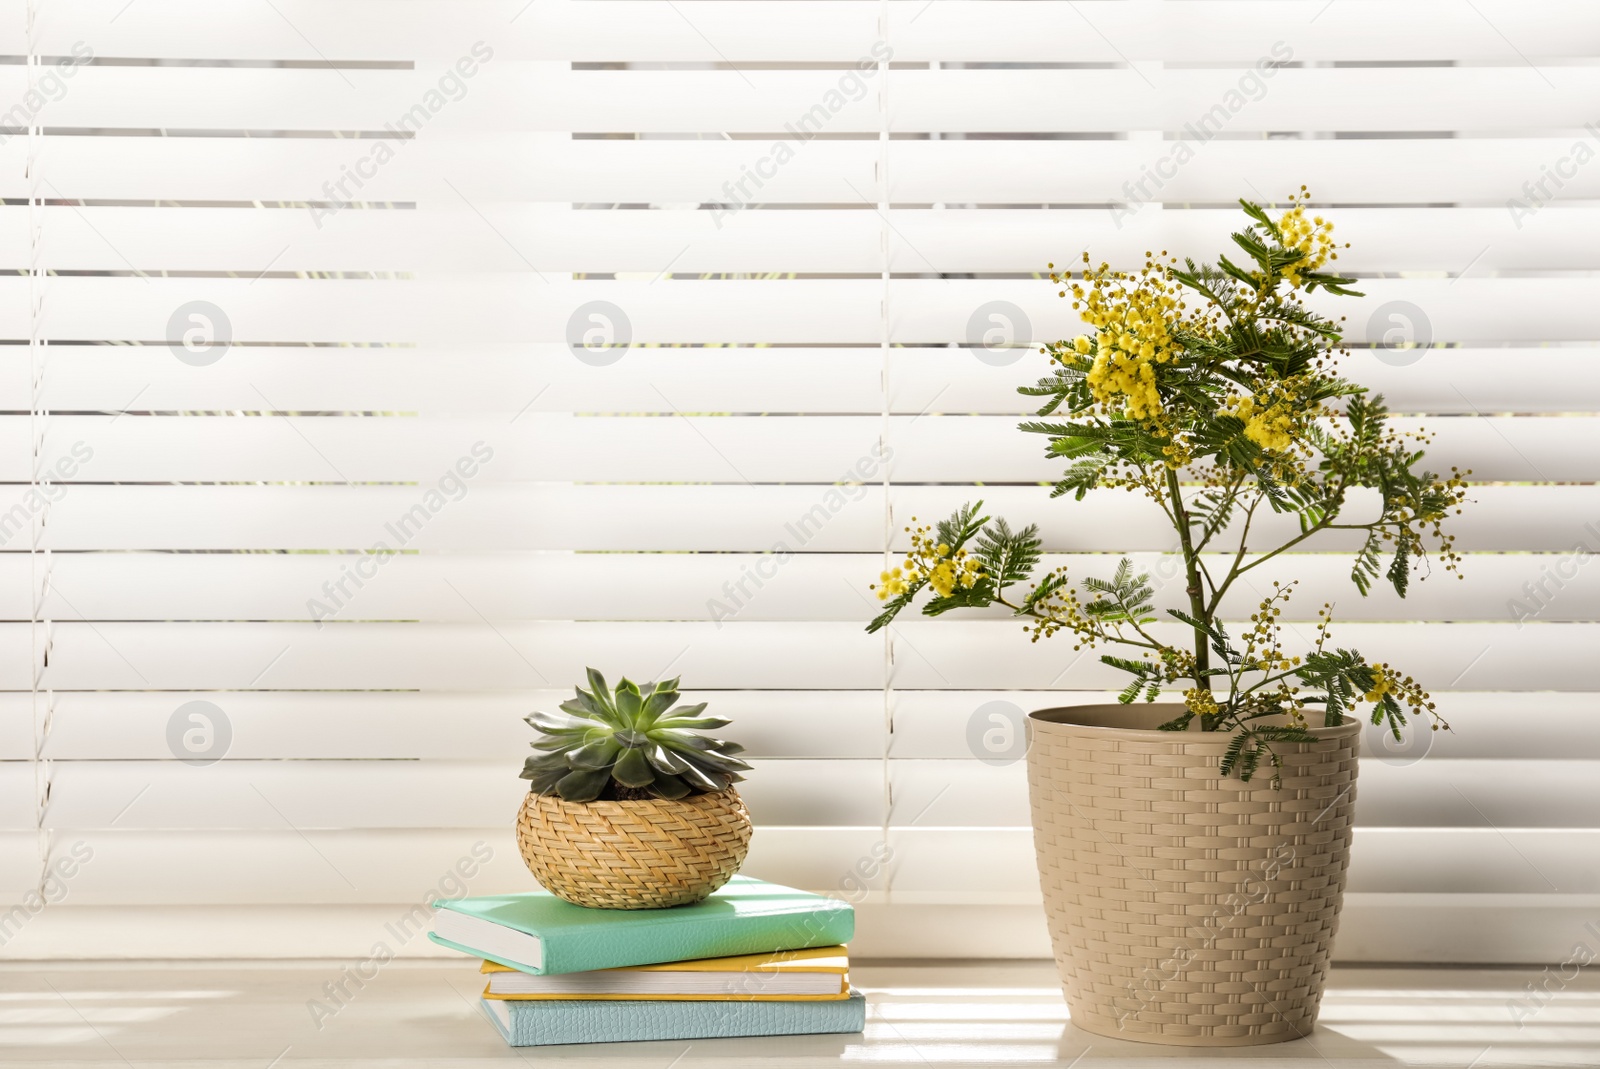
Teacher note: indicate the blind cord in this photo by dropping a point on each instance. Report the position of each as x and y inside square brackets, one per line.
[40, 632]
[883, 444]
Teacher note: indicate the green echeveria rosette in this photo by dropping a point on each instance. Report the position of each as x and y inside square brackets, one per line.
[626, 744]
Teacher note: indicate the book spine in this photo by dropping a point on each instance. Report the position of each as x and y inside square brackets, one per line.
[535, 1024]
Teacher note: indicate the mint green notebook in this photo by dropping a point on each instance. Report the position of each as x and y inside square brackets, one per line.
[537, 932]
[537, 1024]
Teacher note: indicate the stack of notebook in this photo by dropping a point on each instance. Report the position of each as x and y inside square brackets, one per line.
[754, 959]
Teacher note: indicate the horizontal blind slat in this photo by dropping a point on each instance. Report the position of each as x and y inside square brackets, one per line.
[1377, 928]
[1551, 587]
[366, 794]
[488, 726]
[452, 237]
[1457, 861]
[828, 30]
[286, 867]
[1481, 171]
[752, 518]
[934, 865]
[678, 448]
[1422, 792]
[464, 309]
[508, 94]
[966, 654]
[837, 380]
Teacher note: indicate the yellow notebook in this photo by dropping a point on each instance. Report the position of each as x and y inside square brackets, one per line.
[815, 974]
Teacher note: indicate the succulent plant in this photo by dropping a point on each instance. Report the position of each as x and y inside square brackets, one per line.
[625, 744]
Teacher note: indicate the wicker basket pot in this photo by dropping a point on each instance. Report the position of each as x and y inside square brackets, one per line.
[644, 854]
[1185, 908]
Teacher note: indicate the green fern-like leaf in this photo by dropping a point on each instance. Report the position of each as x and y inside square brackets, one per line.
[962, 525]
[1046, 588]
[1399, 573]
[1234, 753]
[979, 596]
[1212, 511]
[1128, 664]
[1008, 557]
[1082, 476]
[1366, 566]
[1249, 746]
[1123, 597]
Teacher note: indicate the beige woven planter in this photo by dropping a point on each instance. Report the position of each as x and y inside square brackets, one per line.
[645, 854]
[1185, 908]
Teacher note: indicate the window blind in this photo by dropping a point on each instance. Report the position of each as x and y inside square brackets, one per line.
[373, 367]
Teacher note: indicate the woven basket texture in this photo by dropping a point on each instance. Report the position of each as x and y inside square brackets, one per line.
[645, 854]
[1185, 908]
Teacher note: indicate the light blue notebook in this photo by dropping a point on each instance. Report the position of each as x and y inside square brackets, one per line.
[546, 1022]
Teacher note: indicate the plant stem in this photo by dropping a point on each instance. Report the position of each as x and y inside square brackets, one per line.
[1197, 601]
[1149, 642]
[1233, 569]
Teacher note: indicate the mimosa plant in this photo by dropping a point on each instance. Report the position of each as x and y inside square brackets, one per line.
[1211, 391]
